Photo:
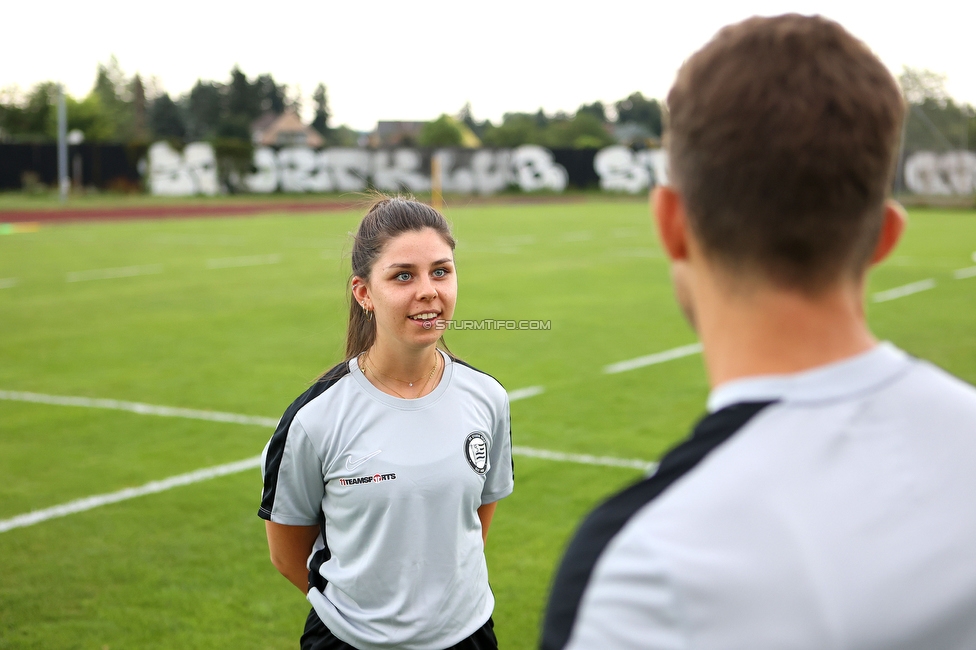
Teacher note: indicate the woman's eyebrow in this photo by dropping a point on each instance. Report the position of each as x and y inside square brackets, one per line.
[408, 265]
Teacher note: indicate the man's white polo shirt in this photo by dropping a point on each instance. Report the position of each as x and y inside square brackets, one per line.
[834, 508]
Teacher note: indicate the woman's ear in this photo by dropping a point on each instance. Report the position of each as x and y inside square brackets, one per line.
[360, 292]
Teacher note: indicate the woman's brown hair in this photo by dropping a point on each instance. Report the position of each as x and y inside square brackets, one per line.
[387, 217]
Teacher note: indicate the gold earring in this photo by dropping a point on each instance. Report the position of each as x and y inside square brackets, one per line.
[368, 314]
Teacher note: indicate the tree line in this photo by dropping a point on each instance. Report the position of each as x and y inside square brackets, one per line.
[121, 108]
[131, 109]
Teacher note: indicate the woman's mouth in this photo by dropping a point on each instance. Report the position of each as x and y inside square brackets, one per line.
[425, 319]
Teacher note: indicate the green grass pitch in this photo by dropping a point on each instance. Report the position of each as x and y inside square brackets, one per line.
[188, 568]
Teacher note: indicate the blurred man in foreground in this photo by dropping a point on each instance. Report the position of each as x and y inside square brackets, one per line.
[826, 500]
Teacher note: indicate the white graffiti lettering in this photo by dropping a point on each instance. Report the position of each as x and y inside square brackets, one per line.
[172, 173]
[482, 171]
[623, 170]
[400, 169]
[463, 171]
[535, 170]
[948, 173]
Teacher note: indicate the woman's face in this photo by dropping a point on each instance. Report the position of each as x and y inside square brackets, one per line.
[411, 287]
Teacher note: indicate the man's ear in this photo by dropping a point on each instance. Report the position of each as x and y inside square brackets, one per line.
[892, 227]
[671, 222]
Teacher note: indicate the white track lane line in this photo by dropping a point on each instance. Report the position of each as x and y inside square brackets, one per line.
[6, 283]
[961, 274]
[235, 262]
[111, 274]
[153, 487]
[904, 290]
[651, 359]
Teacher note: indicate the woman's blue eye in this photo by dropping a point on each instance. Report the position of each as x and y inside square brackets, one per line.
[403, 277]
[440, 273]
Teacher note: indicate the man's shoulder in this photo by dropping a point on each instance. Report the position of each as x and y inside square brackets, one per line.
[933, 384]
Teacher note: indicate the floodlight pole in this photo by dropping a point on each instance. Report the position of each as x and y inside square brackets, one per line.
[63, 182]
[436, 184]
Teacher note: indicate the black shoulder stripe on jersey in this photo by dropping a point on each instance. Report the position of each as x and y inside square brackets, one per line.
[468, 365]
[603, 524]
[276, 449]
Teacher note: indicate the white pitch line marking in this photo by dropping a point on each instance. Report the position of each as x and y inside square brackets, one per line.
[111, 274]
[904, 290]
[250, 260]
[584, 459]
[207, 473]
[137, 407]
[570, 237]
[525, 393]
[961, 274]
[6, 283]
[153, 487]
[651, 359]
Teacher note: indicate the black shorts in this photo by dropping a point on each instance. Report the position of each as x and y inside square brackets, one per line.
[318, 637]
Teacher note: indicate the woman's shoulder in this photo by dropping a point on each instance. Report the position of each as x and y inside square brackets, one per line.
[484, 381]
[325, 381]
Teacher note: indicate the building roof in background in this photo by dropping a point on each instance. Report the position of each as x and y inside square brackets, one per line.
[283, 130]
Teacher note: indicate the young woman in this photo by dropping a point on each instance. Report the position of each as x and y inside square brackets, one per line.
[381, 480]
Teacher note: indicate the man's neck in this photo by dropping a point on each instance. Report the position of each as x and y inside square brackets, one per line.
[771, 331]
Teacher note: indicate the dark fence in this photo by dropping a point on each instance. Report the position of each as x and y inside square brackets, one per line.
[107, 166]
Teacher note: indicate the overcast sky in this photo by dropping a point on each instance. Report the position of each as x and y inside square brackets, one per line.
[415, 60]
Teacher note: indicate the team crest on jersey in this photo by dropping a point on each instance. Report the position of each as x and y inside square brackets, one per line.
[476, 451]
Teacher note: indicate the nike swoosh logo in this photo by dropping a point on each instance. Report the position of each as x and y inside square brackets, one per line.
[353, 464]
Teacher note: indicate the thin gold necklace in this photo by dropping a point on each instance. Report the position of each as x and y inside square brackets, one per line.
[404, 381]
[361, 360]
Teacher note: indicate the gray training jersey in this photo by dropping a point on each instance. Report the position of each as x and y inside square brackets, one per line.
[832, 508]
[394, 486]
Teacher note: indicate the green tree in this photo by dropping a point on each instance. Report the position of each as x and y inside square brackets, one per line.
[140, 125]
[920, 85]
[115, 97]
[442, 132]
[271, 96]
[321, 121]
[515, 130]
[582, 131]
[640, 110]
[88, 116]
[204, 109]
[596, 109]
[28, 118]
[166, 119]
[934, 121]
[243, 103]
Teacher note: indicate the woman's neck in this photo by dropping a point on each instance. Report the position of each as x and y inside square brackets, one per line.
[402, 364]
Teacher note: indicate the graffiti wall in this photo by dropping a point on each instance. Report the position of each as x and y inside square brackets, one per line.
[529, 168]
[167, 171]
[953, 172]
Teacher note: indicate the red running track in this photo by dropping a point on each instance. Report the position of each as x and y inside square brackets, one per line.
[169, 211]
